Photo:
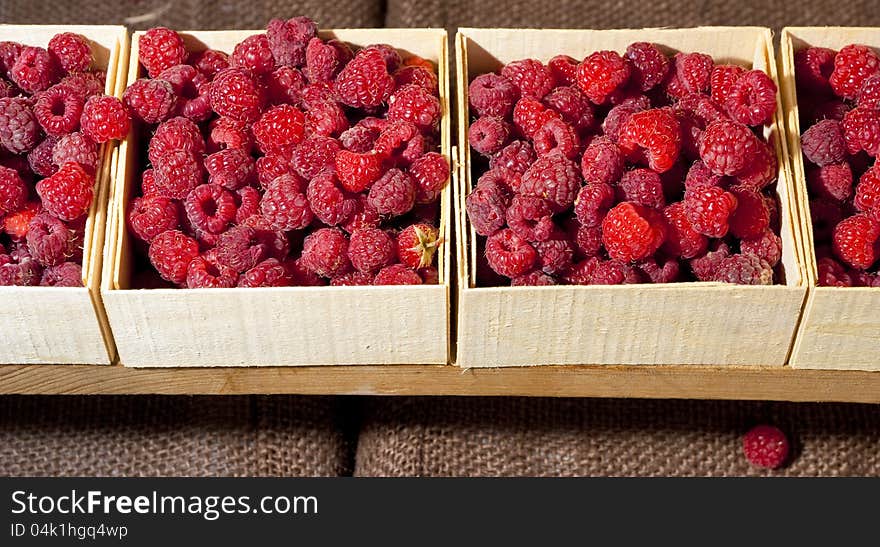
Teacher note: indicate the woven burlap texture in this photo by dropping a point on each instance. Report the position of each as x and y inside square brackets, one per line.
[570, 437]
[173, 436]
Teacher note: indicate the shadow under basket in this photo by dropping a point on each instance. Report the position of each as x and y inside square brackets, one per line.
[67, 325]
[840, 328]
[681, 323]
[286, 325]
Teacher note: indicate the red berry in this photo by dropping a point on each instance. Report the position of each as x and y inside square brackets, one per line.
[175, 135]
[417, 75]
[71, 52]
[535, 278]
[417, 244]
[813, 66]
[150, 216]
[232, 168]
[529, 115]
[253, 54]
[833, 181]
[853, 64]
[531, 218]
[400, 143]
[19, 130]
[414, 104]
[649, 64]
[656, 133]
[243, 247]
[727, 147]
[152, 101]
[210, 208]
[492, 95]
[763, 168]
[556, 136]
[694, 71]
[352, 279]
[370, 249]
[271, 167]
[177, 173]
[325, 252]
[104, 118]
[160, 48]
[34, 70]
[357, 172]
[564, 69]
[280, 127]
[743, 269]
[489, 134]
[602, 162]
[601, 74]
[766, 446]
[516, 156]
[364, 215]
[49, 240]
[487, 207]
[170, 253]
[430, 173]
[752, 99]
[869, 93]
[13, 192]
[288, 39]
[751, 217]
[592, 203]
[618, 116]
[867, 198]
[855, 241]
[16, 224]
[574, 107]
[234, 93]
[394, 194]
[555, 255]
[58, 109]
[248, 200]
[632, 232]
[284, 205]
[205, 272]
[66, 274]
[209, 62]
[268, 273]
[40, 158]
[325, 59]
[722, 81]
[832, 274]
[509, 255]
[365, 81]
[554, 178]
[861, 131]
[530, 76]
[68, 193]
[767, 246]
[315, 154]
[330, 204]
[642, 186]
[709, 210]
[397, 274]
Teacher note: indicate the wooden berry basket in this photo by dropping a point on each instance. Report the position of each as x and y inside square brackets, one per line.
[840, 327]
[288, 325]
[685, 323]
[68, 325]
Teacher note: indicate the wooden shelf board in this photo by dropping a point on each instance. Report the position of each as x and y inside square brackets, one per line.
[637, 381]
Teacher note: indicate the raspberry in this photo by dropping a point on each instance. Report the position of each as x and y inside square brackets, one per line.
[613, 272]
[19, 130]
[364, 215]
[592, 203]
[832, 274]
[315, 154]
[602, 162]
[243, 247]
[71, 52]
[516, 156]
[618, 116]
[174, 136]
[813, 66]
[104, 118]
[325, 252]
[751, 216]
[150, 216]
[401, 142]
[232, 168]
[268, 273]
[365, 81]
[727, 147]
[868, 191]
[417, 244]
[414, 104]
[78, 148]
[160, 48]
[855, 241]
[575, 109]
[16, 224]
[430, 173]
[370, 249]
[530, 77]
[152, 101]
[531, 218]
[648, 64]
[489, 134]
[229, 133]
[555, 255]
[853, 64]
[288, 39]
[329, 203]
[326, 118]
[66, 274]
[869, 93]
[58, 110]
[743, 269]
[535, 278]
[601, 74]
[767, 246]
[234, 93]
[325, 59]
[285, 85]
[284, 205]
[170, 253]
[34, 70]
[22, 274]
[177, 174]
[393, 194]
[487, 207]
[9, 52]
[209, 61]
[642, 186]
[49, 240]
[704, 267]
[564, 69]
[529, 115]
[861, 131]
[248, 200]
[694, 71]
[709, 210]
[492, 95]
[657, 133]
[766, 446]
[417, 75]
[40, 158]
[752, 99]
[668, 272]
[210, 208]
[508, 254]
[68, 193]
[13, 192]
[279, 128]
[722, 81]
[352, 279]
[191, 88]
[271, 167]
[554, 178]
[357, 172]
[556, 136]
[762, 170]
[632, 232]
[397, 274]
[205, 272]
[253, 54]
[833, 181]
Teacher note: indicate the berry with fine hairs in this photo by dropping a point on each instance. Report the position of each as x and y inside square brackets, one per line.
[417, 244]
[160, 48]
[68, 193]
[492, 95]
[170, 253]
[151, 215]
[71, 51]
[632, 232]
[104, 118]
[370, 249]
[58, 110]
[766, 446]
[397, 274]
[601, 74]
[150, 100]
[325, 252]
[509, 255]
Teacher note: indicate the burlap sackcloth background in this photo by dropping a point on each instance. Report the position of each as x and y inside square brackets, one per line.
[307, 436]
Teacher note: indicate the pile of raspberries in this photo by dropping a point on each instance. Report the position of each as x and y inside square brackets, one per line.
[53, 117]
[839, 100]
[292, 161]
[633, 168]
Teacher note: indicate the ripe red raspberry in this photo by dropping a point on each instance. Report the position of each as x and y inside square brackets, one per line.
[400, 143]
[855, 241]
[232, 168]
[357, 172]
[489, 134]
[853, 64]
[284, 205]
[564, 69]
[236, 94]
[370, 249]
[722, 80]
[209, 61]
[364, 215]
[210, 208]
[417, 244]
[861, 131]
[529, 115]
[16, 224]
[243, 247]
[394, 194]
[651, 270]
[58, 109]
[150, 216]
[555, 255]
[352, 279]
[191, 88]
[315, 154]
[743, 269]
[752, 99]
[487, 207]
[867, 198]
[205, 272]
[289, 39]
[654, 133]
[832, 181]
[271, 167]
[762, 170]
[40, 158]
[602, 162]
[34, 70]
[709, 210]
[601, 74]
[329, 203]
[22, 274]
[13, 192]
[869, 93]
[151, 100]
[649, 64]
[509, 255]
[414, 104]
[554, 178]
[160, 48]
[530, 77]
[694, 71]
[618, 116]
[766, 446]
[365, 81]
[49, 240]
[177, 173]
[767, 246]
[325, 252]
[229, 133]
[642, 186]
[430, 173]
[531, 218]
[832, 274]
[71, 52]
[104, 118]
[632, 232]
[268, 273]
[516, 156]
[280, 127]
[813, 66]
[325, 59]
[751, 216]
[492, 95]
[285, 85]
[417, 75]
[248, 201]
[66, 274]
[727, 147]
[19, 130]
[253, 54]
[574, 107]
[534, 278]
[556, 136]
[175, 135]
[170, 253]
[704, 267]
[397, 274]
[9, 52]
[326, 118]
[592, 203]
[68, 193]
